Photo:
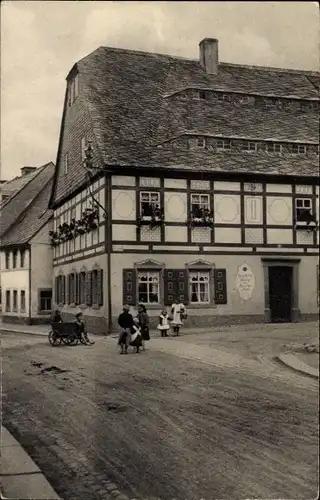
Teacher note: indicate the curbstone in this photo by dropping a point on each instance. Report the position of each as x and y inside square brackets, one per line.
[293, 362]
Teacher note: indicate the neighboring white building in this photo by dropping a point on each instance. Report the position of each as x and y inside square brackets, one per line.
[26, 253]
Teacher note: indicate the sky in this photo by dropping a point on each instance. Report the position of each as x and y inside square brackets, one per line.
[41, 40]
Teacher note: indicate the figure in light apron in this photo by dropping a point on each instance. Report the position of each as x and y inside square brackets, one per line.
[163, 325]
[178, 313]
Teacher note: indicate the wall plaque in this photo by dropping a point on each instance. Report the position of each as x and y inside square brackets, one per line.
[245, 282]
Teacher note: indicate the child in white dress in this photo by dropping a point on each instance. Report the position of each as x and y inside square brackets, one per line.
[178, 313]
[163, 325]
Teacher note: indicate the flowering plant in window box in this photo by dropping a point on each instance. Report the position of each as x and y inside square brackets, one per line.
[88, 222]
[152, 217]
[306, 220]
[202, 217]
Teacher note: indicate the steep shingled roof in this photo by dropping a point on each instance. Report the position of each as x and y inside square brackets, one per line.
[126, 96]
[16, 184]
[23, 200]
[30, 221]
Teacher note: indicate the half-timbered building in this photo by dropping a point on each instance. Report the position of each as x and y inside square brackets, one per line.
[189, 179]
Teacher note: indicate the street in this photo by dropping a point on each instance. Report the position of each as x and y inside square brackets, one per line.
[165, 424]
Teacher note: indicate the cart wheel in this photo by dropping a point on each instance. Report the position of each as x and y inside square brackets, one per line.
[67, 340]
[74, 341]
[54, 339]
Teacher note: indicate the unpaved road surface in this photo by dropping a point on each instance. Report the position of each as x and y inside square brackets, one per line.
[159, 426]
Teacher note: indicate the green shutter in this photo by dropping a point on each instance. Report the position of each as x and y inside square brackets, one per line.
[100, 287]
[175, 286]
[129, 286]
[89, 288]
[220, 286]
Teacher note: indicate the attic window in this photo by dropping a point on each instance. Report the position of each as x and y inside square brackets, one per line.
[273, 148]
[306, 105]
[66, 163]
[202, 94]
[224, 97]
[249, 146]
[73, 90]
[201, 142]
[224, 144]
[299, 149]
[245, 99]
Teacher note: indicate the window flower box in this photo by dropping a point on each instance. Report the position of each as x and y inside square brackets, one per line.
[201, 218]
[154, 218]
[66, 232]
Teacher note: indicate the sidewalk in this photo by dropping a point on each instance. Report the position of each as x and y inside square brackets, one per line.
[20, 476]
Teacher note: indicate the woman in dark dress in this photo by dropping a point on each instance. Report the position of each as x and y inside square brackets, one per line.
[130, 334]
[143, 320]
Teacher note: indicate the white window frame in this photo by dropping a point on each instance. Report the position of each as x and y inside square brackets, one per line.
[273, 146]
[225, 144]
[306, 205]
[201, 206]
[201, 142]
[301, 149]
[197, 273]
[149, 273]
[250, 146]
[150, 194]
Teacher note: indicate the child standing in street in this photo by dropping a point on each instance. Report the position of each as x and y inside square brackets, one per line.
[163, 325]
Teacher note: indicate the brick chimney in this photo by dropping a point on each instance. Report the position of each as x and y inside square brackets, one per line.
[209, 59]
[27, 170]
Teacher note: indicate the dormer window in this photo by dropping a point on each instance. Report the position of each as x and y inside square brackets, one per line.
[272, 102]
[300, 149]
[249, 146]
[273, 148]
[202, 94]
[224, 144]
[306, 105]
[84, 145]
[66, 163]
[201, 142]
[73, 91]
[224, 97]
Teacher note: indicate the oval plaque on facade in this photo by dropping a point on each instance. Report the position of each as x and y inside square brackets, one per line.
[176, 206]
[245, 282]
[279, 211]
[227, 209]
[124, 205]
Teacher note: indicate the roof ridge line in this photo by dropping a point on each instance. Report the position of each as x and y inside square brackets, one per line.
[25, 185]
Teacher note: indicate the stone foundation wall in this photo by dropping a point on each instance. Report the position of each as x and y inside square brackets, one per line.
[22, 320]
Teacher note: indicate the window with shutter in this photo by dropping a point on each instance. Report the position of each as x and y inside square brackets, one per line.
[63, 289]
[100, 287]
[175, 286]
[56, 290]
[77, 283]
[129, 285]
[89, 289]
[220, 286]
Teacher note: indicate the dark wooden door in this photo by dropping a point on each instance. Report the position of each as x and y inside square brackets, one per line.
[280, 294]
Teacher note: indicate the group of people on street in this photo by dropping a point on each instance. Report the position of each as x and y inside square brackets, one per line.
[135, 331]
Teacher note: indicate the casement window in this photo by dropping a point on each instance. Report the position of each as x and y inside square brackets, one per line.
[149, 203]
[22, 301]
[66, 163]
[303, 207]
[273, 147]
[249, 146]
[22, 258]
[199, 287]
[224, 144]
[149, 287]
[7, 260]
[15, 301]
[8, 300]
[45, 300]
[299, 149]
[199, 203]
[14, 259]
[201, 142]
